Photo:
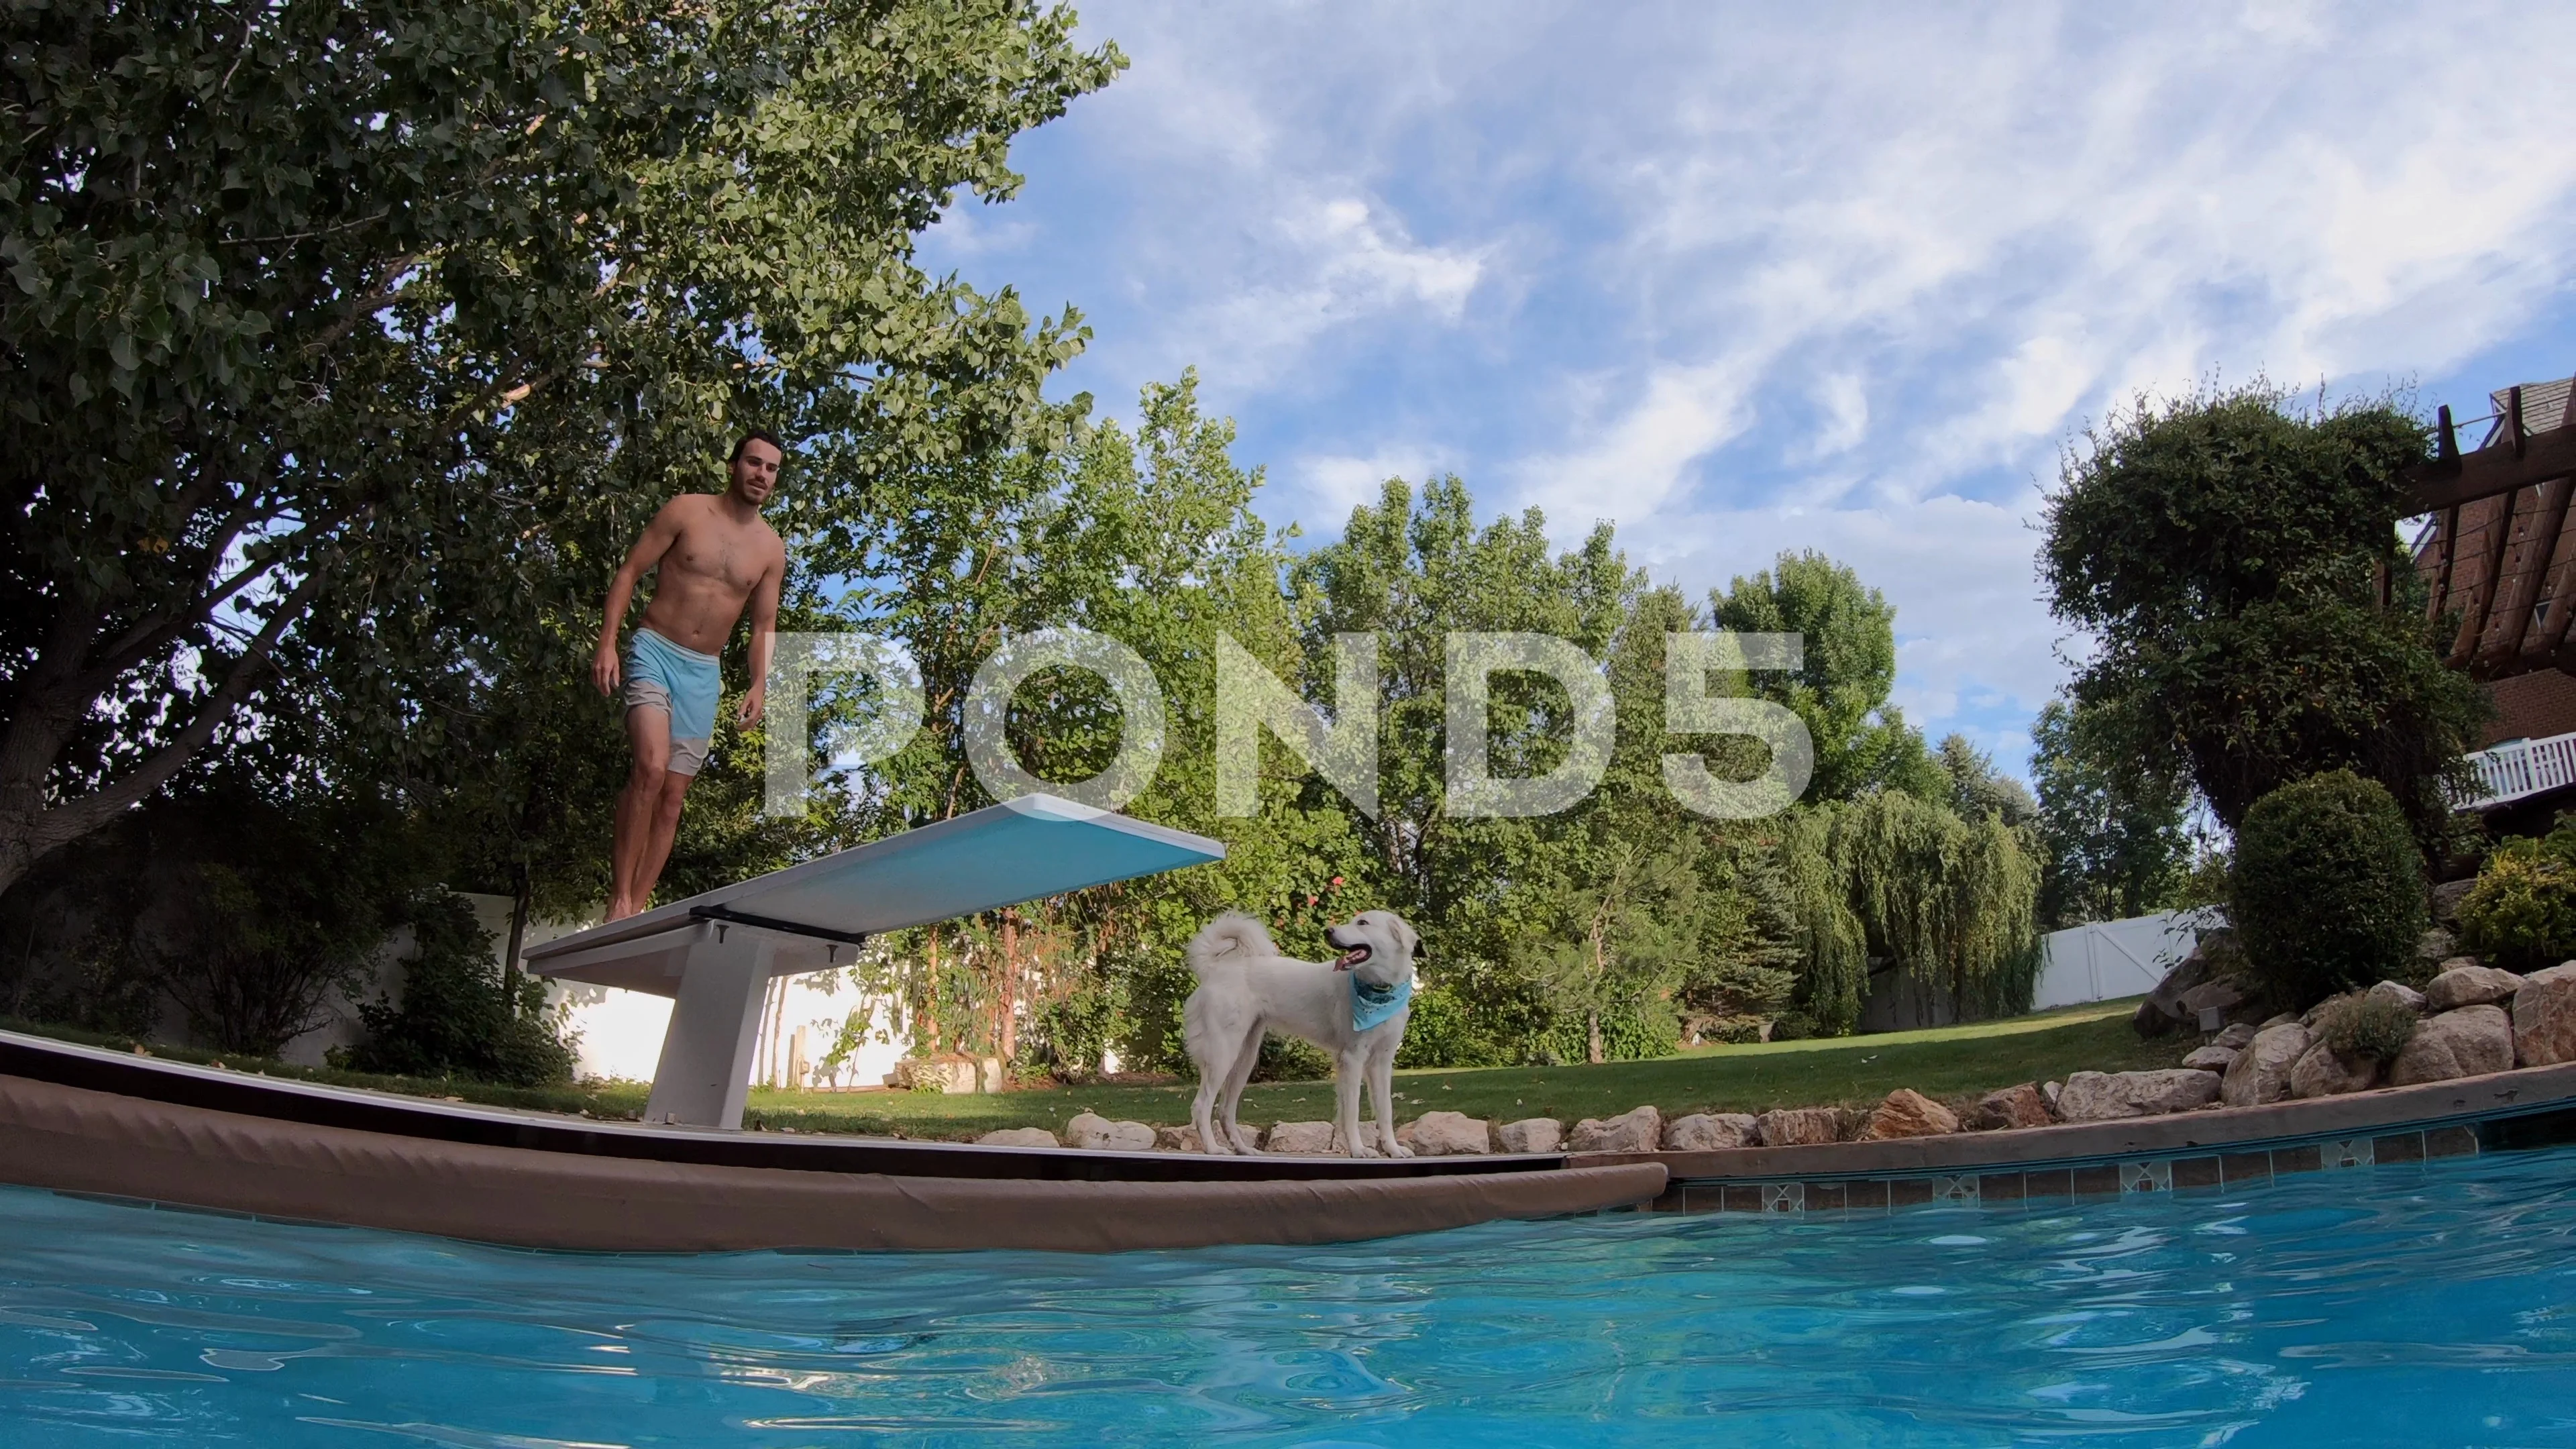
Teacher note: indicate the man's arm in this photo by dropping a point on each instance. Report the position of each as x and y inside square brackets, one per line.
[764, 637]
[657, 540]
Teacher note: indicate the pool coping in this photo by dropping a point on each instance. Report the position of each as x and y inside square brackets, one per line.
[2210, 1149]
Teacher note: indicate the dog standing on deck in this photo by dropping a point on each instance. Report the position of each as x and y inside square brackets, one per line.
[1354, 1007]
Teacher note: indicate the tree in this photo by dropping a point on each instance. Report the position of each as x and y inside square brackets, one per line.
[1848, 633]
[336, 331]
[2256, 617]
[1977, 788]
[2112, 838]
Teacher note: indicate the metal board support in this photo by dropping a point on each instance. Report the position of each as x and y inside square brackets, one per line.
[704, 1076]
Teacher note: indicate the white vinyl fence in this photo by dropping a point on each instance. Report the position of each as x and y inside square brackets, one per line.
[2109, 959]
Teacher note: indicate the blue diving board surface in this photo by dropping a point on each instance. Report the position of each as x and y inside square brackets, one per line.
[815, 914]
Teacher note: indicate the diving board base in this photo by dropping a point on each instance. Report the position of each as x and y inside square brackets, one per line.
[704, 1076]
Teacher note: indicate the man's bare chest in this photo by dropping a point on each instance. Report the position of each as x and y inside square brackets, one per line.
[732, 558]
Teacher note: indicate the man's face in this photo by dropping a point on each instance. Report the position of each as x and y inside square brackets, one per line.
[755, 472]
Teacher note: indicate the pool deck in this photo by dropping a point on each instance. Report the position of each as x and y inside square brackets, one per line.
[2228, 1149]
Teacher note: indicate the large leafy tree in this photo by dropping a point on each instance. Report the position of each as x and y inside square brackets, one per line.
[2112, 836]
[2257, 621]
[1841, 690]
[346, 339]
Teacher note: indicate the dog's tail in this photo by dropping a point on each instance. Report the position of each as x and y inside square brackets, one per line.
[1232, 934]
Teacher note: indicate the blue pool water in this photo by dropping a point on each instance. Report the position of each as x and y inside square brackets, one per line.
[2423, 1305]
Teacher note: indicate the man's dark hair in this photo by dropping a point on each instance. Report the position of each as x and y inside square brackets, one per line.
[756, 435]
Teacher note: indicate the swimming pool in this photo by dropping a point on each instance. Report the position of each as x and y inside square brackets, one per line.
[2433, 1303]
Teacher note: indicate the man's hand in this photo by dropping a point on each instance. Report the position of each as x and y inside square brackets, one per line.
[604, 667]
[754, 701]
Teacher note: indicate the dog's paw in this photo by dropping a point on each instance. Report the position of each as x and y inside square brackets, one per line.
[1398, 1149]
[1364, 1150]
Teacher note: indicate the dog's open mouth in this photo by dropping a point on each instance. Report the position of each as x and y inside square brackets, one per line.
[1357, 955]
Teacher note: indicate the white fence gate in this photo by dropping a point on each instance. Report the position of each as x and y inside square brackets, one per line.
[2109, 959]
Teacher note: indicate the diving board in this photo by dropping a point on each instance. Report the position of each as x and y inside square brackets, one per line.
[714, 953]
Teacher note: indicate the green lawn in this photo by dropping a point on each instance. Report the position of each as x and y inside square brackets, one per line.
[1947, 1063]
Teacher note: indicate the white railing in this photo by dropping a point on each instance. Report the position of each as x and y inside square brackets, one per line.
[2522, 767]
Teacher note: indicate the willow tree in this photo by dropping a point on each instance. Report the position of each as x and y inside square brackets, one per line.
[1889, 882]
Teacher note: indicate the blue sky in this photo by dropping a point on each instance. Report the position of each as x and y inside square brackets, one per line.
[1827, 276]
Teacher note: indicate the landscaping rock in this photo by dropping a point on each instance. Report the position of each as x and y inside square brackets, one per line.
[2220, 996]
[1530, 1134]
[1445, 1134]
[2261, 1072]
[1099, 1134]
[1301, 1139]
[2544, 1017]
[1019, 1137]
[2108, 1096]
[2052, 1091]
[2162, 1013]
[2237, 1037]
[1908, 1113]
[1800, 1126]
[950, 1075]
[1177, 1139]
[2469, 1042]
[2287, 1018]
[2022, 1106]
[2399, 992]
[2447, 897]
[2436, 944]
[2469, 986]
[1710, 1132]
[2211, 1058]
[1640, 1130]
[2321, 1071]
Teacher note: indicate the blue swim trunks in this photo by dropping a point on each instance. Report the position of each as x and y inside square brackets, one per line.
[682, 683]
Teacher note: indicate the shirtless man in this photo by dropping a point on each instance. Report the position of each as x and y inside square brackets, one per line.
[714, 552]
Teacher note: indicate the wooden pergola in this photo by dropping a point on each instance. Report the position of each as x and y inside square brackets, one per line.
[2498, 550]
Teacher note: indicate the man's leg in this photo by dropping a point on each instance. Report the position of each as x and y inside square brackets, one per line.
[662, 824]
[648, 731]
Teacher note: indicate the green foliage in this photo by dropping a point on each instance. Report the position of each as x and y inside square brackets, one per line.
[2521, 914]
[2258, 620]
[461, 1014]
[1949, 902]
[2366, 1027]
[2329, 889]
[2111, 835]
[1850, 666]
[1442, 1032]
[382, 326]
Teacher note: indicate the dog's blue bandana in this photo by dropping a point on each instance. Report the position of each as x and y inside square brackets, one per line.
[1373, 1004]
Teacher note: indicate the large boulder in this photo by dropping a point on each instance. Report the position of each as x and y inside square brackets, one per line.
[2544, 1017]
[2321, 1071]
[1445, 1134]
[1908, 1113]
[2469, 1042]
[2022, 1106]
[2108, 1096]
[1530, 1134]
[2261, 1072]
[1019, 1137]
[2401, 993]
[2236, 1037]
[1800, 1126]
[1178, 1139]
[2469, 986]
[2162, 1013]
[2447, 897]
[2435, 945]
[1098, 1134]
[1301, 1139]
[1638, 1130]
[2211, 1058]
[1709, 1132]
[950, 1075]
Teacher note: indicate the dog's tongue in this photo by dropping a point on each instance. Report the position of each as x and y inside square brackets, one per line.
[1351, 958]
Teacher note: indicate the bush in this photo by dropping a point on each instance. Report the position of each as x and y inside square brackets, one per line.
[2362, 1025]
[2521, 915]
[1442, 1033]
[461, 1014]
[2328, 888]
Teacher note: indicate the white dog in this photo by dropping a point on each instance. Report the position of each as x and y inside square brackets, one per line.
[1354, 1007]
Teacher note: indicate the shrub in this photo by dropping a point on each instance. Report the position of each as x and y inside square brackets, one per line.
[1442, 1033]
[2328, 888]
[461, 1014]
[2362, 1025]
[2521, 915]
